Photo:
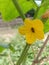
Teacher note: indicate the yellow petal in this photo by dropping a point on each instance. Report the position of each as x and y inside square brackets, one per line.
[39, 34]
[28, 22]
[38, 24]
[22, 30]
[30, 38]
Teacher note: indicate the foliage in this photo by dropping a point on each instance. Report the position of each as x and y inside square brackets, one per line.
[9, 11]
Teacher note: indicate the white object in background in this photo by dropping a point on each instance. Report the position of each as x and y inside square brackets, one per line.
[38, 2]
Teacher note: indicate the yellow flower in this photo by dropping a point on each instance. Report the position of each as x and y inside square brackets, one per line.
[32, 29]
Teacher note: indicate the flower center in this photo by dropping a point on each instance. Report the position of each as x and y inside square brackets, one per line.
[32, 29]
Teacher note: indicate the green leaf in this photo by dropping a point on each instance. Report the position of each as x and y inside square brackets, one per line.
[1, 48]
[11, 48]
[46, 25]
[9, 11]
[43, 8]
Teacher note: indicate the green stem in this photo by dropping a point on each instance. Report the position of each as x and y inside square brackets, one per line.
[38, 8]
[27, 46]
[19, 9]
[36, 13]
[42, 1]
[23, 54]
[24, 61]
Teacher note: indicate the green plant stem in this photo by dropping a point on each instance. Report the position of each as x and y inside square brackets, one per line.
[25, 57]
[36, 13]
[15, 2]
[38, 8]
[27, 46]
[24, 61]
[25, 51]
[42, 1]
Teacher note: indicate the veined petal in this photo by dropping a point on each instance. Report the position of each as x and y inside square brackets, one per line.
[38, 24]
[30, 38]
[22, 30]
[39, 34]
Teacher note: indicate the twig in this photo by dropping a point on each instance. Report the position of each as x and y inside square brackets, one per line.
[41, 50]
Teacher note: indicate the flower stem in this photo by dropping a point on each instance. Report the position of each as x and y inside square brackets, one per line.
[36, 13]
[25, 57]
[24, 61]
[38, 8]
[42, 1]
[25, 51]
[15, 2]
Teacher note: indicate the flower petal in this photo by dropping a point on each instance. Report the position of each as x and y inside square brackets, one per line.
[30, 38]
[22, 30]
[38, 24]
[39, 34]
[28, 22]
